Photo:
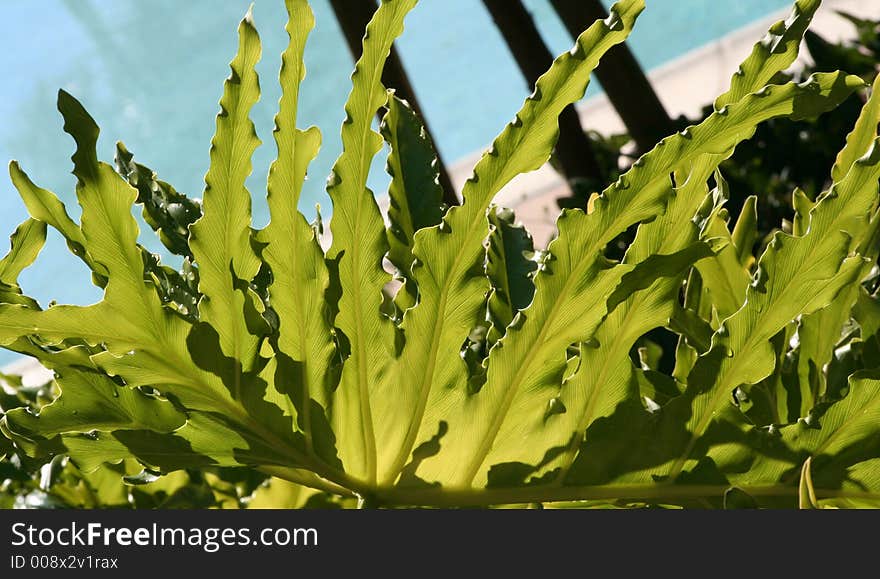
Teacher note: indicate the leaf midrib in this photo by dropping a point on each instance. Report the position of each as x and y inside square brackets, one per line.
[362, 167]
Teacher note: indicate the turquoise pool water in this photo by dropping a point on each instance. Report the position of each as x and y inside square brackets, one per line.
[151, 72]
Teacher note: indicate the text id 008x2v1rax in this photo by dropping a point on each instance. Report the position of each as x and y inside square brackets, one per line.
[62, 562]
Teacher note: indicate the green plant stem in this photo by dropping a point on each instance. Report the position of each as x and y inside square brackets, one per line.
[438, 497]
[452, 498]
[306, 479]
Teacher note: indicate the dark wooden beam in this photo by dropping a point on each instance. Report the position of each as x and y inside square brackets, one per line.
[353, 16]
[622, 77]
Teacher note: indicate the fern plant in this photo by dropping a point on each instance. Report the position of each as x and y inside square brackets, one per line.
[495, 374]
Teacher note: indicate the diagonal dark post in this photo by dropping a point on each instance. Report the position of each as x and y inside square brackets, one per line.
[353, 17]
[573, 149]
[624, 82]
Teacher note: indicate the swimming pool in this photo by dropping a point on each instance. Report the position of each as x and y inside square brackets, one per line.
[151, 75]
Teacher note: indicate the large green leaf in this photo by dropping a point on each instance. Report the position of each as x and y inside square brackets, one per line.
[862, 136]
[415, 195]
[90, 401]
[131, 323]
[774, 53]
[510, 266]
[25, 245]
[450, 256]
[819, 333]
[606, 376]
[359, 244]
[524, 369]
[725, 276]
[299, 273]
[495, 376]
[839, 438]
[220, 238]
[45, 206]
[717, 289]
[796, 276]
[204, 440]
[166, 211]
